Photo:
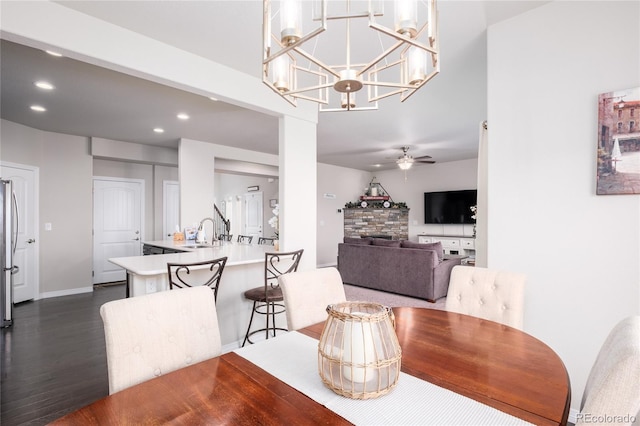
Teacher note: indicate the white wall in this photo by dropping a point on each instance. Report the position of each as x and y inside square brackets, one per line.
[65, 202]
[346, 185]
[421, 178]
[579, 251]
[196, 176]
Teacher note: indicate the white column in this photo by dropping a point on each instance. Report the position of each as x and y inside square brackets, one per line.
[196, 162]
[298, 183]
[483, 200]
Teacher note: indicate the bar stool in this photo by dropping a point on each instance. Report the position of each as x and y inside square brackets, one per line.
[245, 239]
[268, 298]
[180, 274]
[266, 240]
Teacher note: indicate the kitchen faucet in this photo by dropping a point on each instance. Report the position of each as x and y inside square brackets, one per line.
[201, 228]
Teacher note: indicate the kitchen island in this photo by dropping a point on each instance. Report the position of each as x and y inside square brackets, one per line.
[244, 270]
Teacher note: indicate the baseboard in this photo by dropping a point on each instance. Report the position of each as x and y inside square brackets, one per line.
[69, 292]
[573, 414]
[230, 347]
[327, 265]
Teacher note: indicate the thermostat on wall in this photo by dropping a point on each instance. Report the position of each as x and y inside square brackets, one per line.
[330, 196]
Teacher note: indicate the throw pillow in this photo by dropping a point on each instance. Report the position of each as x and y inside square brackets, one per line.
[355, 240]
[386, 243]
[437, 247]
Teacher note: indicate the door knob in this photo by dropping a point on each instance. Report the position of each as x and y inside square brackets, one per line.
[31, 241]
[136, 239]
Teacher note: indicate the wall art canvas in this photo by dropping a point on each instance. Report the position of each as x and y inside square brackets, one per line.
[619, 142]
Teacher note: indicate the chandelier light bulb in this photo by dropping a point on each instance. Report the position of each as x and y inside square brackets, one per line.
[417, 65]
[290, 21]
[281, 73]
[348, 100]
[406, 17]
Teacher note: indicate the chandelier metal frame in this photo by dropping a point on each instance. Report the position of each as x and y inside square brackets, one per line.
[346, 79]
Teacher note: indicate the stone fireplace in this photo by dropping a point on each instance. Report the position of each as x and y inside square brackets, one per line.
[391, 223]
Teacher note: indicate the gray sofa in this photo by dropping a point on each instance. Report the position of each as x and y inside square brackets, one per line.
[402, 267]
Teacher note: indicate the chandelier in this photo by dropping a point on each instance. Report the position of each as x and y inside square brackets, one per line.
[387, 55]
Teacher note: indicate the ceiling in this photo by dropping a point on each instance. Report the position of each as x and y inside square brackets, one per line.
[440, 120]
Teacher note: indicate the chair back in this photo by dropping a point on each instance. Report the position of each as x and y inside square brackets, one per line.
[266, 240]
[613, 387]
[307, 294]
[225, 237]
[245, 239]
[280, 263]
[154, 334]
[207, 273]
[487, 293]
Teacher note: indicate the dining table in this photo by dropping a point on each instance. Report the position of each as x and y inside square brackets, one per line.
[484, 362]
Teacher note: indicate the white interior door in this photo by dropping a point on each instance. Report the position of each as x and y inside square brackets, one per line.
[170, 207]
[25, 185]
[253, 214]
[117, 225]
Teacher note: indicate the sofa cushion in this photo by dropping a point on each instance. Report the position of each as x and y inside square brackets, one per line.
[386, 243]
[437, 246]
[355, 240]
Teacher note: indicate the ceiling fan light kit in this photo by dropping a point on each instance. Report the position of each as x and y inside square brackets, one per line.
[405, 161]
[401, 66]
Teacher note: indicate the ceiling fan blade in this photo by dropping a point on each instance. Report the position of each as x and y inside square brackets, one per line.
[425, 161]
[422, 157]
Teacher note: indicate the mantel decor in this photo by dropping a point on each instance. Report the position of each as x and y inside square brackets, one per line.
[359, 354]
[375, 196]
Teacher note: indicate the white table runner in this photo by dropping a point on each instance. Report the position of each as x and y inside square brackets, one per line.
[293, 359]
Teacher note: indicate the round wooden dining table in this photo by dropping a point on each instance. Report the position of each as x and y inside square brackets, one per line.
[494, 364]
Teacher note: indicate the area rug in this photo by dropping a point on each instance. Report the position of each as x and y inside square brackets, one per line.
[361, 294]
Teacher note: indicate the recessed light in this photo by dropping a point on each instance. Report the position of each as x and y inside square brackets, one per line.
[52, 53]
[377, 165]
[183, 116]
[158, 130]
[44, 85]
[38, 108]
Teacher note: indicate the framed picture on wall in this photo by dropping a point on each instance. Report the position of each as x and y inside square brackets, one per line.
[618, 153]
[273, 202]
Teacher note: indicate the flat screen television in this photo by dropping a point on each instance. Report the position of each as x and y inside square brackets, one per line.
[449, 207]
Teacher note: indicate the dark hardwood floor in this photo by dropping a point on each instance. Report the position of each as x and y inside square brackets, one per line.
[53, 357]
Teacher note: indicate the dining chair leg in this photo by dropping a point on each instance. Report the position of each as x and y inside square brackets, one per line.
[273, 317]
[266, 330]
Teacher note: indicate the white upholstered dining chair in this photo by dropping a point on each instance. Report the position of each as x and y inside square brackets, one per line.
[487, 293]
[613, 386]
[307, 294]
[157, 333]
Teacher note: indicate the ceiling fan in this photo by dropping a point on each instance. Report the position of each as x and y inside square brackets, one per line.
[405, 161]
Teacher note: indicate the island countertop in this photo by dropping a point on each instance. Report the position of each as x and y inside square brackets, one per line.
[244, 270]
[237, 254]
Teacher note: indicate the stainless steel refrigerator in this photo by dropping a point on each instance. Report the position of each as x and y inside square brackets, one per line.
[8, 235]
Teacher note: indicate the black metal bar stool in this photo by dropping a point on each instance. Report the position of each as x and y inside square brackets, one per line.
[245, 239]
[268, 298]
[266, 240]
[180, 274]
